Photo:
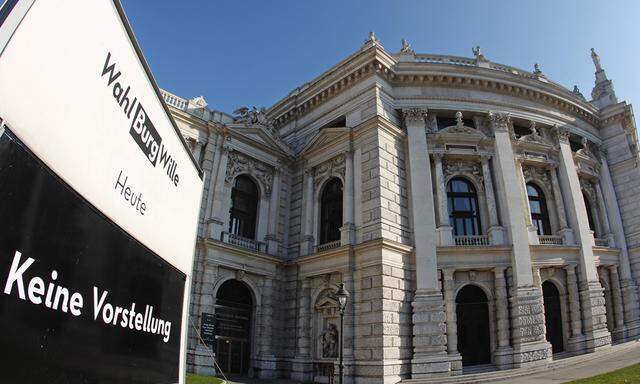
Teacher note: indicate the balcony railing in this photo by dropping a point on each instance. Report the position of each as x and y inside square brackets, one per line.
[602, 242]
[472, 241]
[173, 100]
[550, 240]
[327, 246]
[244, 242]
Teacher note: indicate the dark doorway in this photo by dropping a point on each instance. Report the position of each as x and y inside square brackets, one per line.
[553, 316]
[472, 311]
[233, 327]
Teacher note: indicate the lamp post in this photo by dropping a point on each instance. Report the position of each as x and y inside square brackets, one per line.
[341, 295]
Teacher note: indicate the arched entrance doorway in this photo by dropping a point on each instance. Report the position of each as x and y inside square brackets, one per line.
[233, 327]
[472, 311]
[553, 316]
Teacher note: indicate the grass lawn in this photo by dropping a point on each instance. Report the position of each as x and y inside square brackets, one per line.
[197, 379]
[628, 375]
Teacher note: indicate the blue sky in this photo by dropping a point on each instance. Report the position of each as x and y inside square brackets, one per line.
[254, 52]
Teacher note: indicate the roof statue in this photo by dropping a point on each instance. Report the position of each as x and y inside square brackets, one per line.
[372, 38]
[406, 47]
[478, 53]
[596, 60]
[536, 69]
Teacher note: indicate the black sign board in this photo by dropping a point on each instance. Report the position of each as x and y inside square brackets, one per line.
[82, 301]
[208, 328]
[232, 322]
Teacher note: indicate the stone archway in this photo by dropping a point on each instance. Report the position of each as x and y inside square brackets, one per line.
[553, 316]
[233, 310]
[472, 311]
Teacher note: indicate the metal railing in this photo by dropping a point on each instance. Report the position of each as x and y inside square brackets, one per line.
[472, 241]
[244, 242]
[550, 240]
[327, 246]
[602, 242]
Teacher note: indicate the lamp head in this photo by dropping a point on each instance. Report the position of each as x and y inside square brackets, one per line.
[342, 295]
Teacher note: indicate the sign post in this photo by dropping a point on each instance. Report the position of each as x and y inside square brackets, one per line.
[99, 202]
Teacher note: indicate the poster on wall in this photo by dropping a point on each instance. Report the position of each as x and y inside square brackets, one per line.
[99, 201]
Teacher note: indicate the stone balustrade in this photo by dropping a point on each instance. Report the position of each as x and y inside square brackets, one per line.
[550, 240]
[327, 246]
[472, 241]
[244, 242]
[599, 242]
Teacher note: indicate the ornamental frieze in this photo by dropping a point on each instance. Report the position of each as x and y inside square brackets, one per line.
[463, 168]
[239, 164]
[535, 173]
[333, 167]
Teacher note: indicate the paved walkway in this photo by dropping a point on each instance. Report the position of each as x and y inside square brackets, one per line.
[604, 364]
[573, 370]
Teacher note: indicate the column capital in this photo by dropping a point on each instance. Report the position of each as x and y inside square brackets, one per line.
[499, 271]
[447, 273]
[499, 121]
[438, 156]
[562, 133]
[414, 114]
[485, 157]
[613, 269]
[570, 268]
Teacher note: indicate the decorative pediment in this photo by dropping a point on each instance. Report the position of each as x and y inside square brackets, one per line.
[239, 164]
[535, 136]
[461, 128]
[326, 137]
[260, 135]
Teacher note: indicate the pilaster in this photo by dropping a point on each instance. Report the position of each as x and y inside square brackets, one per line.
[444, 230]
[504, 352]
[429, 329]
[216, 221]
[527, 318]
[591, 292]
[306, 242]
[496, 231]
[618, 310]
[274, 205]
[576, 340]
[448, 287]
[347, 231]
[266, 359]
[565, 231]
[302, 367]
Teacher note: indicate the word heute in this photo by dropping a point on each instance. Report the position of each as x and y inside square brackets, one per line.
[59, 298]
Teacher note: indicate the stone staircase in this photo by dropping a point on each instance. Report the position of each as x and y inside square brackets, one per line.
[481, 376]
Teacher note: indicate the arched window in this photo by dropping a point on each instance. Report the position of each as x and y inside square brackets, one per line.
[463, 207]
[538, 208]
[587, 205]
[244, 208]
[331, 211]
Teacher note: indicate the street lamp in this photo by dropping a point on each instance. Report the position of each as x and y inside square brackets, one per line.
[341, 295]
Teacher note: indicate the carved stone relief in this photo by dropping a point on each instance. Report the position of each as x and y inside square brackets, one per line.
[240, 164]
[333, 167]
[469, 169]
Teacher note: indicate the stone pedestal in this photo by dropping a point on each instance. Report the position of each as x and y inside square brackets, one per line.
[568, 237]
[203, 362]
[528, 328]
[594, 316]
[430, 358]
[533, 235]
[347, 234]
[497, 235]
[301, 370]
[445, 236]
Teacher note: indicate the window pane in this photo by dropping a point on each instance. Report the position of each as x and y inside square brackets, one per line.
[535, 207]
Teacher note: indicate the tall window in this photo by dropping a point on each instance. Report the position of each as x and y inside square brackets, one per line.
[589, 212]
[331, 211]
[538, 208]
[463, 207]
[244, 208]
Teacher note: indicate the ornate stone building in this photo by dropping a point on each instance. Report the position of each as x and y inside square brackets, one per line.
[478, 214]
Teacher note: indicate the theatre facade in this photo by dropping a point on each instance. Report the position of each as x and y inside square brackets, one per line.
[479, 215]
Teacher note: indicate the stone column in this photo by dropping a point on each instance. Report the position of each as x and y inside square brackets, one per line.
[429, 328]
[448, 287]
[357, 193]
[495, 232]
[576, 341]
[216, 221]
[529, 344]
[616, 295]
[591, 292]
[274, 206]
[302, 369]
[504, 352]
[266, 358]
[565, 231]
[532, 232]
[627, 282]
[347, 231]
[604, 216]
[444, 230]
[306, 242]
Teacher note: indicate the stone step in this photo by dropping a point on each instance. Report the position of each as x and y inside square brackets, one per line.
[493, 376]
